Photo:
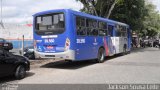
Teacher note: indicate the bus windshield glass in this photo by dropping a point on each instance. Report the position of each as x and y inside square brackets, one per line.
[50, 24]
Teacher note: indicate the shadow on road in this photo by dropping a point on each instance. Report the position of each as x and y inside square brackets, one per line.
[68, 65]
[75, 64]
[112, 57]
[81, 64]
[150, 49]
[12, 78]
[146, 64]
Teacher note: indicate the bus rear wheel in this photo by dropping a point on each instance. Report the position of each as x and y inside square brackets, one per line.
[124, 49]
[100, 56]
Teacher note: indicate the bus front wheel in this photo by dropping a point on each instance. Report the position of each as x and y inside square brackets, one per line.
[100, 56]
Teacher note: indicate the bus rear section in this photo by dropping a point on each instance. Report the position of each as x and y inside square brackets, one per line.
[51, 38]
[121, 39]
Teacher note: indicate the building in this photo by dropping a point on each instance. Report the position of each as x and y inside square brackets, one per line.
[14, 33]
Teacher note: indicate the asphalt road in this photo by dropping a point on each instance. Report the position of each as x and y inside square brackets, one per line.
[142, 66]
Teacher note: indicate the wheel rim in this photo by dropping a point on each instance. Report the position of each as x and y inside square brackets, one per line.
[22, 72]
[101, 55]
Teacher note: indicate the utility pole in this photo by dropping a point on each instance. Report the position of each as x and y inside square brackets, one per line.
[1, 16]
[23, 45]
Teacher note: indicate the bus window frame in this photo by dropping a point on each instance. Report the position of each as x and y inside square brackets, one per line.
[91, 26]
[80, 17]
[43, 32]
[113, 30]
[124, 31]
[103, 28]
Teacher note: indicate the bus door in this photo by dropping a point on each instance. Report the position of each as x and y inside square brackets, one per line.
[124, 38]
[111, 40]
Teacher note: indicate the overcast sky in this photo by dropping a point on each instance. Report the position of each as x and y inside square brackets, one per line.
[157, 3]
[22, 10]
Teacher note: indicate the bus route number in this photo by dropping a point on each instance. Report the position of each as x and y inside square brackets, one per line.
[80, 40]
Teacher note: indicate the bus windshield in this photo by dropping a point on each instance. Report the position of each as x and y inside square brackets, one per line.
[50, 24]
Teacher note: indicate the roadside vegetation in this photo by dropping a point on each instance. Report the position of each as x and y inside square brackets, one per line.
[141, 15]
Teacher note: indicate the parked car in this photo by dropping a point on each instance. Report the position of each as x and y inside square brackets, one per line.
[156, 43]
[28, 52]
[5, 45]
[11, 64]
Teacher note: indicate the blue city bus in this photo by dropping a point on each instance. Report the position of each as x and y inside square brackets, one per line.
[76, 36]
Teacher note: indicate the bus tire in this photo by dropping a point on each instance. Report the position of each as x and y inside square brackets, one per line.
[124, 50]
[128, 52]
[100, 56]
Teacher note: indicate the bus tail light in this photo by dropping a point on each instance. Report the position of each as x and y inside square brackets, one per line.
[67, 44]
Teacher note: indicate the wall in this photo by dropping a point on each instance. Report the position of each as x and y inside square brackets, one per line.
[14, 33]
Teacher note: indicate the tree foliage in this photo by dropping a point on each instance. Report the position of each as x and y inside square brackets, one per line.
[140, 15]
[131, 12]
[151, 22]
[101, 8]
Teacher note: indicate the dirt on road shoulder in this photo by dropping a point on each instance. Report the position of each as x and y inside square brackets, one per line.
[39, 62]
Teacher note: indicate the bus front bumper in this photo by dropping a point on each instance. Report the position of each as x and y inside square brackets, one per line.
[67, 55]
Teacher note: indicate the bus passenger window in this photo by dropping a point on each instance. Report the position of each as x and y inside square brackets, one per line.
[55, 19]
[39, 20]
[81, 31]
[52, 23]
[80, 24]
[94, 32]
[102, 26]
[102, 32]
[47, 20]
[94, 24]
[121, 31]
[61, 17]
[124, 31]
[88, 31]
[110, 30]
[83, 22]
[118, 33]
[92, 27]
[124, 34]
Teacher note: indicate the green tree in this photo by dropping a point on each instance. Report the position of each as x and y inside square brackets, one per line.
[151, 22]
[141, 16]
[131, 12]
[102, 8]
